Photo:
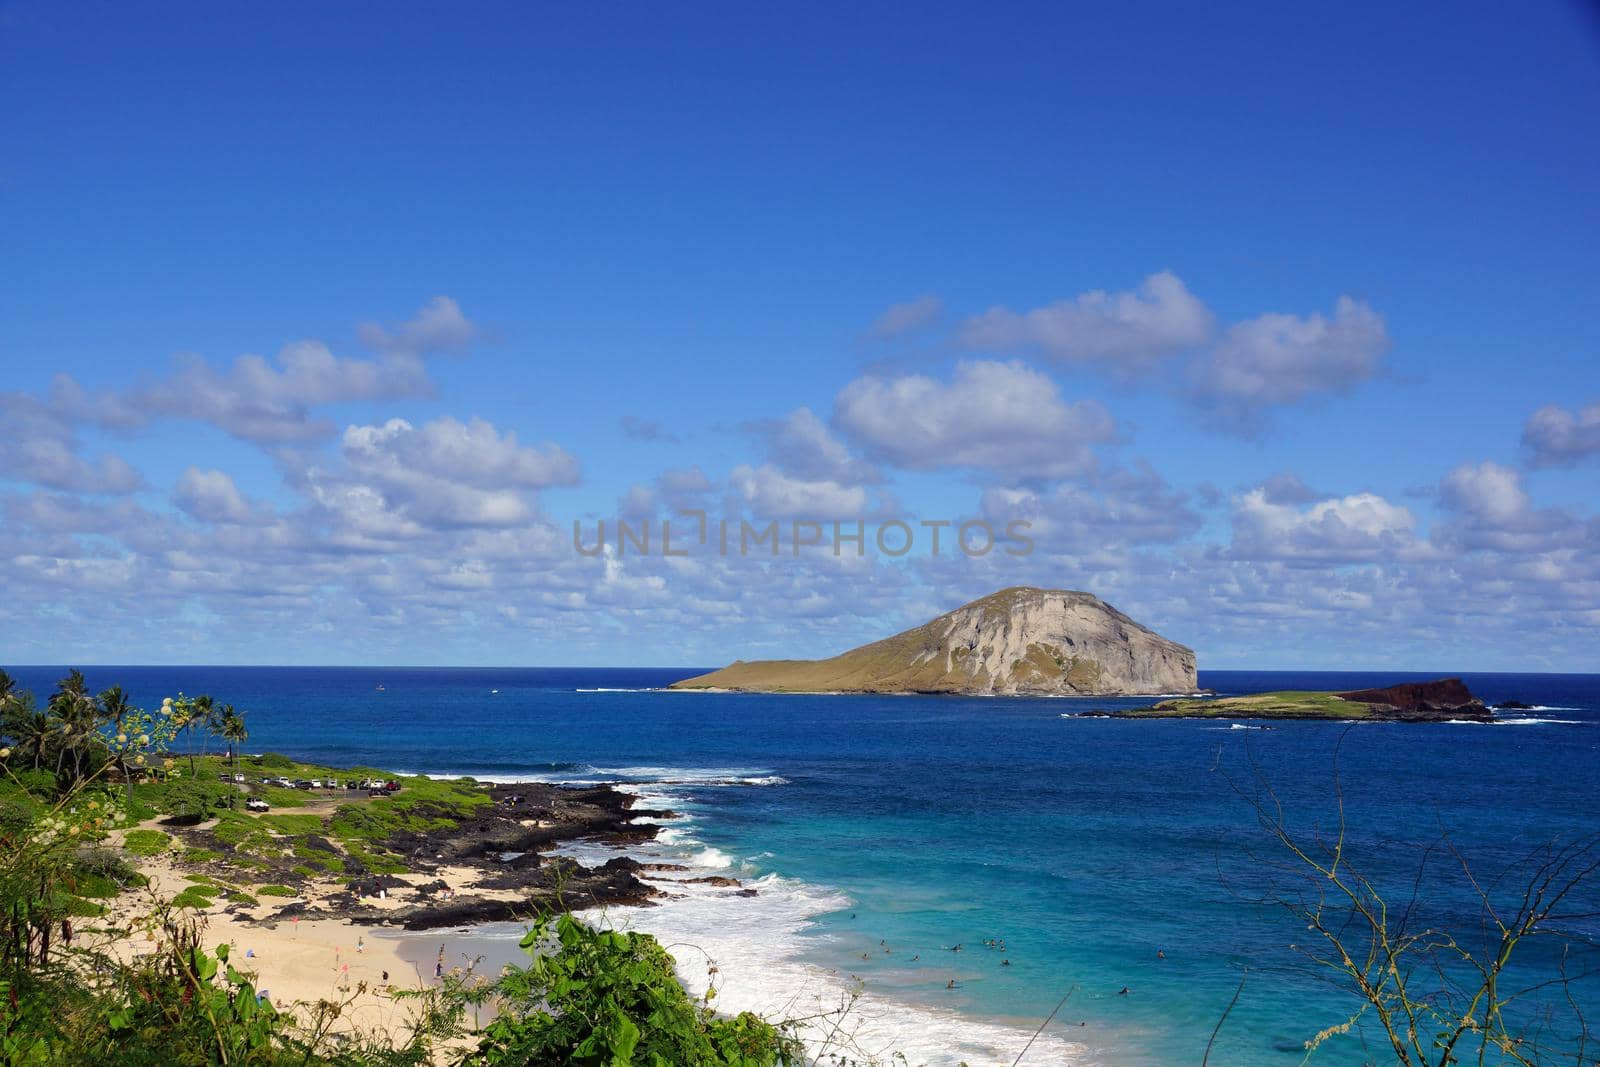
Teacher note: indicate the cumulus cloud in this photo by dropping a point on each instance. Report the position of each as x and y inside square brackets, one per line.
[1124, 507]
[1558, 437]
[901, 319]
[1486, 490]
[1361, 526]
[1004, 417]
[770, 493]
[470, 453]
[399, 479]
[439, 327]
[1282, 359]
[802, 445]
[273, 402]
[210, 496]
[1161, 318]
[684, 488]
[40, 447]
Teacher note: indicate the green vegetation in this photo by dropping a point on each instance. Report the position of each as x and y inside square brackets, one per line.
[1288, 704]
[146, 842]
[99, 765]
[193, 897]
[611, 998]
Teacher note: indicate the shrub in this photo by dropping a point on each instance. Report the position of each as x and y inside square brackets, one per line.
[193, 897]
[275, 891]
[17, 812]
[274, 761]
[612, 997]
[107, 863]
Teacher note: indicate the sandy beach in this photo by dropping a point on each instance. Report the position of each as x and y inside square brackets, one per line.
[299, 963]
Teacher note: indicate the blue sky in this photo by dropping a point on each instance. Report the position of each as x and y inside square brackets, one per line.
[1278, 324]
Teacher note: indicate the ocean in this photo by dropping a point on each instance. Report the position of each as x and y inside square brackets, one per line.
[879, 832]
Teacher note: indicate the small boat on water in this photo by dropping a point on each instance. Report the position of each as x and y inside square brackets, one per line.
[380, 687]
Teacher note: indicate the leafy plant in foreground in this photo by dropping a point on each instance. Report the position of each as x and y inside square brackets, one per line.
[606, 998]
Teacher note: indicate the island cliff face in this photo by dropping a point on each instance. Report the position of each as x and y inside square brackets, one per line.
[1042, 642]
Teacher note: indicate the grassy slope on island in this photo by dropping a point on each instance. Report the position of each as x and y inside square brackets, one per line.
[924, 660]
[1285, 704]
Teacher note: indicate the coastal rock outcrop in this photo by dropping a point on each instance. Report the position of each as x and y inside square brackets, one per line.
[1440, 698]
[1050, 642]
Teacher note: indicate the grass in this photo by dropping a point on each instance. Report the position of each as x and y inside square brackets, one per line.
[279, 797]
[146, 842]
[293, 824]
[1285, 704]
[347, 842]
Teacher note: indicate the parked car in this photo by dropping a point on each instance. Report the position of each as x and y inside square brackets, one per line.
[257, 804]
[316, 783]
[238, 778]
[392, 786]
[302, 784]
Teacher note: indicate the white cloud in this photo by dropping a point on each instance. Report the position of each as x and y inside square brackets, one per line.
[439, 327]
[901, 319]
[802, 445]
[1282, 359]
[1161, 318]
[269, 402]
[39, 446]
[469, 453]
[400, 479]
[210, 496]
[1362, 526]
[1487, 491]
[770, 493]
[1123, 508]
[1559, 437]
[999, 416]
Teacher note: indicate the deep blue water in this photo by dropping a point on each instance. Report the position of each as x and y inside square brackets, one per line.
[1089, 845]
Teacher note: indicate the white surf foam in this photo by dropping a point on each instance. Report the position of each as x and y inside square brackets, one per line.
[757, 946]
[1515, 722]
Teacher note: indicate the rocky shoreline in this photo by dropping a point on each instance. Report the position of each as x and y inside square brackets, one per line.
[492, 865]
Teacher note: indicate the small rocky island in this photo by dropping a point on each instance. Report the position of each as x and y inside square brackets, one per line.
[1442, 700]
[1019, 641]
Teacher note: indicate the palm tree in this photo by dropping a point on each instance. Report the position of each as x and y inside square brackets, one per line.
[234, 732]
[28, 728]
[78, 719]
[8, 689]
[203, 719]
[115, 709]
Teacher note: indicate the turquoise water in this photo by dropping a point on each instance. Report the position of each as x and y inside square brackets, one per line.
[1093, 847]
